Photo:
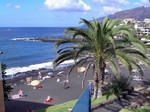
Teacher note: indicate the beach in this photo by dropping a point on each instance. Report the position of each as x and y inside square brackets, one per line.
[35, 97]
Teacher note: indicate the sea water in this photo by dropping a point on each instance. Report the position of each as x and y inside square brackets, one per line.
[22, 56]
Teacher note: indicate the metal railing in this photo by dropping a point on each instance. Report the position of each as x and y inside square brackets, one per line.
[84, 102]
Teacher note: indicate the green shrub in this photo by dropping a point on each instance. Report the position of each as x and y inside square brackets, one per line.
[7, 88]
[118, 85]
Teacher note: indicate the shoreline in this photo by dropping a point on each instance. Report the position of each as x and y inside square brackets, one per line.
[35, 73]
[14, 72]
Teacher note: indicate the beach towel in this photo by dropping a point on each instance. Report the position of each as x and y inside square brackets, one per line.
[16, 96]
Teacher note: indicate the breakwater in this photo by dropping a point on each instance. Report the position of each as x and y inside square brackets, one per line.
[41, 39]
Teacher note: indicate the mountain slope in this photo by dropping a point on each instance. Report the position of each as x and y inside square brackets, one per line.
[139, 14]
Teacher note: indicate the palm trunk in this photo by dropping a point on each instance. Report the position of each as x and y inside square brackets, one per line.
[99, 75]
[96, 89]
[98, 78]
[96, 82]
[102, 72]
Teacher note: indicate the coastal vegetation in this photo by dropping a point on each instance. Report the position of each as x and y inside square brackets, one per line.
[118, 86]
[100, 49]
[7, 88]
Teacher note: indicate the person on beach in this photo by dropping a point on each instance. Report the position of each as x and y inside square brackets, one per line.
[29, 80]
[58, 80]
[39, 86]
[65, 83]
[20, 93]
[48, 99]
[40, 75]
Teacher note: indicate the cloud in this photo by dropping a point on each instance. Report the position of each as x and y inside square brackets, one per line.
[13, 6]
[8, 5]
[17, 6]
[106, 10]
[142, 3]
[112, 2]
[67, 5]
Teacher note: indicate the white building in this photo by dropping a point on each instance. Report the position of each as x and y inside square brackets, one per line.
[127, 20]
[147, 20]
[142, 27]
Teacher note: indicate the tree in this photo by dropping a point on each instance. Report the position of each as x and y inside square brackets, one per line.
[7, 87]
[96, 45]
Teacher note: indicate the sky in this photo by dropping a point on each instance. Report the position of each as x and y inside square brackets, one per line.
[59, 13]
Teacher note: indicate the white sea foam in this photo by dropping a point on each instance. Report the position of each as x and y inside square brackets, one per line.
[26, 39]
[22, 38]
[47, 65]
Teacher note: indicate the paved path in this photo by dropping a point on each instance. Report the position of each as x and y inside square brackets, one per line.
[116, 106]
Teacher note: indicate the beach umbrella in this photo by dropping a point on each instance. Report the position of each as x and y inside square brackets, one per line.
[61, 72]
[81, 69]
[35, 82]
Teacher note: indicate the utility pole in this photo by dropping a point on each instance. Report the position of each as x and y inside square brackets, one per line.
[2, 107]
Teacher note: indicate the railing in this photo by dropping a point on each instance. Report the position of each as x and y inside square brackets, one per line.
[84, 102]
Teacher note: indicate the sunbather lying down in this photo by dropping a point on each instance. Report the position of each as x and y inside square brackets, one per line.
[38, 86]
[48, 99]
[20, 94]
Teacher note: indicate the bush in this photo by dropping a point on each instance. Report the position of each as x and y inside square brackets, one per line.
[7, 88]
[118, 85]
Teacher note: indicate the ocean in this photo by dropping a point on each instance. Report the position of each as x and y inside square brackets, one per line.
[22, 56]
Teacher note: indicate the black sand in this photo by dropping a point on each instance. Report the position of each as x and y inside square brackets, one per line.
[35, 97]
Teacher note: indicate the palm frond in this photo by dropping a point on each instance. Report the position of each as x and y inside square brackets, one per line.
[71, 30]
[85, 73]
[139, 68]
[134, 52]
[124, 60]
[68, 48]
[113, 65]
[140, 46]
[85, 48]
[87, 23]
[63, 57]
[65, 41]
[104, 23]
[113, 23]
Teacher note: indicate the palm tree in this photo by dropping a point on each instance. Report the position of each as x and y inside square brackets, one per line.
[96, 46]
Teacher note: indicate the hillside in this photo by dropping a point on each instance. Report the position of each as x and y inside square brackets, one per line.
[139, 14]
